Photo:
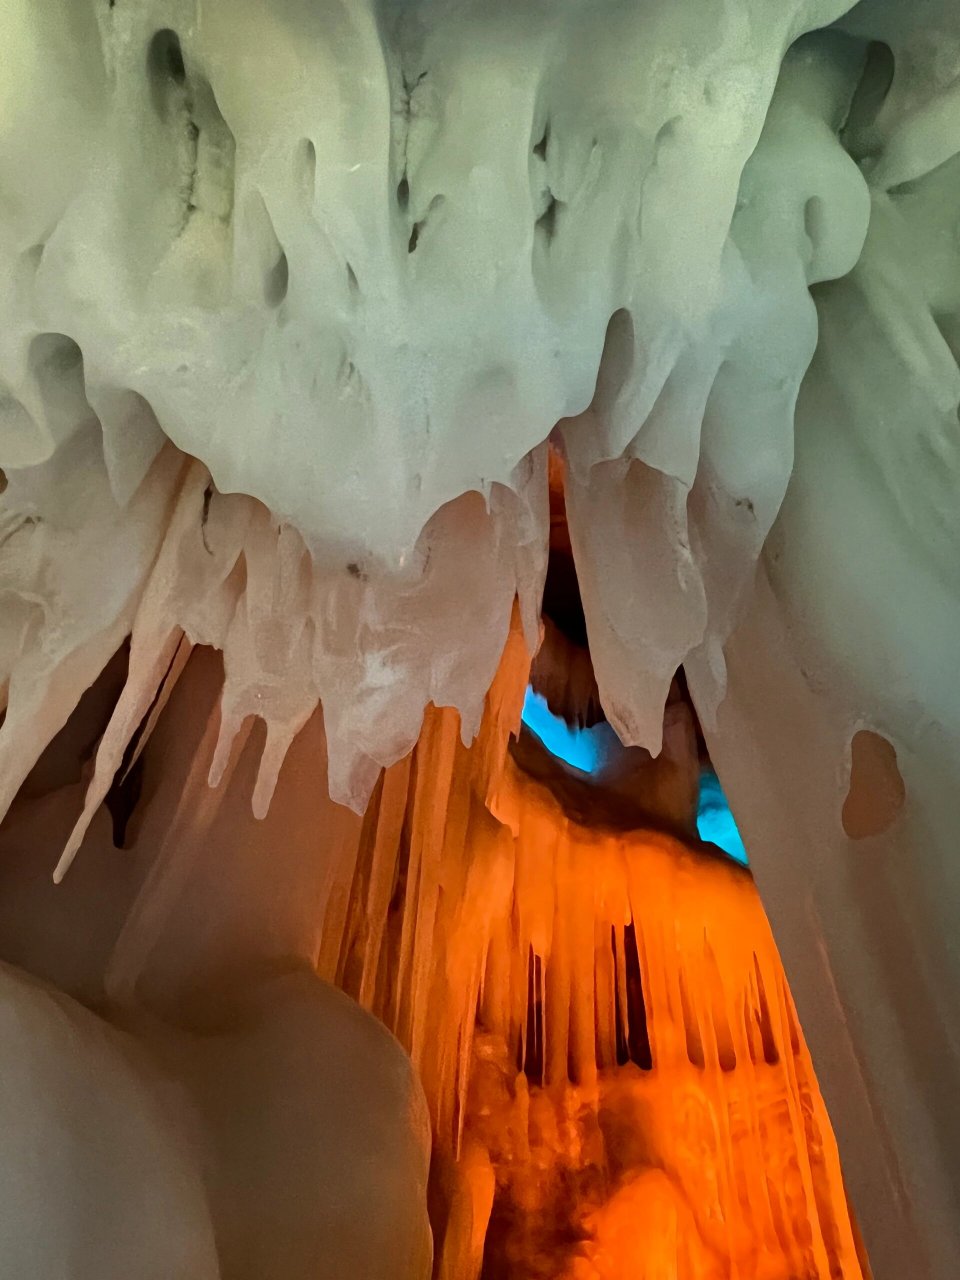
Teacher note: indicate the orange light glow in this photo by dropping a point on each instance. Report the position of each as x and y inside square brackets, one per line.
[617, 1078]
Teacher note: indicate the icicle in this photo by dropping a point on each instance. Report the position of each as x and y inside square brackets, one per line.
[162, 697]
[271, 761]
[154, 647]
[186, 833]
[517, 954]
[73, 630]
[143, 682]
[605, 994]
[229, 729]
[393, 803]
[443, 814]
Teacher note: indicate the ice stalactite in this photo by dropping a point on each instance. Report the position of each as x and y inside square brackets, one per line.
[531, 956]
[339, 308]
[598, 1014]
[188, 565]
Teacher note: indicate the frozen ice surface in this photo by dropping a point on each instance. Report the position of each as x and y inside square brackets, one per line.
[358, 260]
[293, 296]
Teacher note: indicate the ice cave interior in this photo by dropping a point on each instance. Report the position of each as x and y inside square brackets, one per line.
[479, 627]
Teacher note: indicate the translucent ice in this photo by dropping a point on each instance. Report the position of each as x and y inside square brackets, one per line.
[293, 296]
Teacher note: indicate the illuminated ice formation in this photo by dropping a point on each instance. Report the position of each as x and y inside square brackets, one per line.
[579, 748]
[295, 293]
[585, 750]
[587, 1006]
[715, 823]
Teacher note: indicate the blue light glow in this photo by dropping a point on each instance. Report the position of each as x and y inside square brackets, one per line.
[715, 822]
[588, 749]
[576, 747]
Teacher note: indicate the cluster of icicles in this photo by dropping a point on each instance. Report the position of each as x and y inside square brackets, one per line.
[182, 564]
[464, 907]
[481, 923]
[495, 936]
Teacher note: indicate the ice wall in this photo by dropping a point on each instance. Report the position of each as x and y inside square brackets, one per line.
[844, 698]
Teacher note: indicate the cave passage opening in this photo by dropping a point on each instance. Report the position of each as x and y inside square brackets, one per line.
[564, 721]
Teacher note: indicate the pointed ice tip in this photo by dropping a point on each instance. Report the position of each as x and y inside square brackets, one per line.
[66, 859]
[75, 840]
[470, 720]
[221, 754]
[639, 730]
[262, 795]
[351, 776]
[267, 776]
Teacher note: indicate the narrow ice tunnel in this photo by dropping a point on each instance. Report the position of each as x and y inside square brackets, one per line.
[454, 456]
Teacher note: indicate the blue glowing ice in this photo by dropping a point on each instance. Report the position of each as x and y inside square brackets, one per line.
[576, 747]
[586, 750]
[715, 822]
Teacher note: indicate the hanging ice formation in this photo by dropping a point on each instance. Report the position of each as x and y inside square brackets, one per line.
[297, 297]
[612, 1064]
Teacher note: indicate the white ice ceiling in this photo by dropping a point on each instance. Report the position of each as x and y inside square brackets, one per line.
[359, 260]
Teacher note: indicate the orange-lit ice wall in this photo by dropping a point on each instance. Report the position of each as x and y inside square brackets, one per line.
[618, 1080]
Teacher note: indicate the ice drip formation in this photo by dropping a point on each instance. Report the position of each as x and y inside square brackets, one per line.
[333, 331]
